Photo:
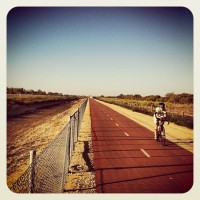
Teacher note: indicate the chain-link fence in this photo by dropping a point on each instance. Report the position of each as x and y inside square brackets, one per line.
[47, 171]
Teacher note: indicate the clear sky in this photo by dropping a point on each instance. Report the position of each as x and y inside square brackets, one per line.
[101, 51]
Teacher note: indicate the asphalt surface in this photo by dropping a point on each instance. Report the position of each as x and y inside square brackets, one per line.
[128, 160]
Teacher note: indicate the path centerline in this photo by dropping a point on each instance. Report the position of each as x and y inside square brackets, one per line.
[145, 153]
[126, 134]
[143, 165]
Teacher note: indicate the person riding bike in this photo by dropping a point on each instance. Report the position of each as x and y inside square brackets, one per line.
[159, 113]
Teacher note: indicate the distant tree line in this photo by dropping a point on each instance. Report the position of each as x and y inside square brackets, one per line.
[31, 92]
[183, 98]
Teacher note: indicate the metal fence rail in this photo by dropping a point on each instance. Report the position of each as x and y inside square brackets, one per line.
[47, 171]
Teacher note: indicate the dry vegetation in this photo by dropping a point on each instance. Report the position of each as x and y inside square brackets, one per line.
[27, 99]
[180, 114]
[175, 108]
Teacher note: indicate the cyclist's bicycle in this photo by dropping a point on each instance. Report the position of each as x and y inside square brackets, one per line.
[160, 132]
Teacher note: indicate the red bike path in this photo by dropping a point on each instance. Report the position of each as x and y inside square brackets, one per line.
[128, 160]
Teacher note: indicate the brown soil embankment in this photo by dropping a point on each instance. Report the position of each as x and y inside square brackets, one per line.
[34, 131]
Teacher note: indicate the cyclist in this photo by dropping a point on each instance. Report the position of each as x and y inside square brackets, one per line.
[159, 112]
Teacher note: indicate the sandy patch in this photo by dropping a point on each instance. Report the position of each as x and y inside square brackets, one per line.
[33, 131]
[81, 176]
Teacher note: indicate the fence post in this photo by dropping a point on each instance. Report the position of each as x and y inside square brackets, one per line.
[71, 137]
[32, 172]
[78, 120]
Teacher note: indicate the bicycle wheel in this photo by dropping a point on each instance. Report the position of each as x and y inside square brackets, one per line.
[157, 136]
[162, 138]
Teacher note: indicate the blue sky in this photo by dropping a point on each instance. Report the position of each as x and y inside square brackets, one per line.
[101, 51]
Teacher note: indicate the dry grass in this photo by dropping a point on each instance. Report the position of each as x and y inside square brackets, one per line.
[31, 99]
[179, 109]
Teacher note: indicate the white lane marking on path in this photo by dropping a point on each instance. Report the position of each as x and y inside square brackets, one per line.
[117, 124]
[111, 118]
[108, 115]
[145, 153]
[126, 134]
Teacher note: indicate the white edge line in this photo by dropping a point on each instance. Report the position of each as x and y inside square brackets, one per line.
[145, 153]
[117, 124]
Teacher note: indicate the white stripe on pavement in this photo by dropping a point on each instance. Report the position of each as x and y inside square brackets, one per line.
[117, 124]
[126, 134]
[145, 153]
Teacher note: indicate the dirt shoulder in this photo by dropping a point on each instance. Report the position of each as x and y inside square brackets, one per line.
[34, 131]
[81, 176]
[180, 135]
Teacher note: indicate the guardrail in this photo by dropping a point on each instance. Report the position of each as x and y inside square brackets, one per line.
[47, 171]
